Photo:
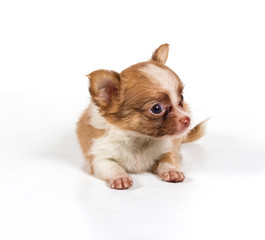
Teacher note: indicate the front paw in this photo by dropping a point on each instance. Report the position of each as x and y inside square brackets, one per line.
[121, 182]
[172, 176]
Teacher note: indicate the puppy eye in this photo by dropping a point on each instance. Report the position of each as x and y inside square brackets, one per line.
[157, 108]
[181, 101]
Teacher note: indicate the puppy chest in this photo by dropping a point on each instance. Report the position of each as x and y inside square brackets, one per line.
[139, 155]
[136, 162]
[134, 154]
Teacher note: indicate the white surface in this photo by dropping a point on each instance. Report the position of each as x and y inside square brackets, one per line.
[46, 49]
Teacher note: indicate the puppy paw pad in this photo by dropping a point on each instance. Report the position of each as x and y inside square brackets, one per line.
[121, 182]
[173, 176]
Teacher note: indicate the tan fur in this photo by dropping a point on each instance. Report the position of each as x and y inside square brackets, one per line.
[160, 55]
[86, 134]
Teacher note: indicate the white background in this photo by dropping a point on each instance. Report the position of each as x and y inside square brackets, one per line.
[46, 49]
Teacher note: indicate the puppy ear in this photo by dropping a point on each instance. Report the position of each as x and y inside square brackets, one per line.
[104, 86]
[160, 55]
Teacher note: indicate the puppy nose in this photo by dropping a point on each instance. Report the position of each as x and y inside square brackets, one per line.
[185, 121]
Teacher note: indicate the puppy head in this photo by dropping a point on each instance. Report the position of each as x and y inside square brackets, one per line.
[145, 98]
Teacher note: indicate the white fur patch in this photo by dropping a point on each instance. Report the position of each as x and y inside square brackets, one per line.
[96, 120]
[165, 78]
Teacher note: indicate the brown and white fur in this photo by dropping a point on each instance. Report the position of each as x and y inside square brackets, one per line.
[120, 132]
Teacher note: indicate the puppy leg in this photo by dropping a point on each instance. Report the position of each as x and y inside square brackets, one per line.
[112, 173]
[167, 168]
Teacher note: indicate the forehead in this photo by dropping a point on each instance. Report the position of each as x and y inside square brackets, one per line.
[163, 76]
[155, 79]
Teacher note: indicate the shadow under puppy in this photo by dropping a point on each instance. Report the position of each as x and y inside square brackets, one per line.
[136, 122]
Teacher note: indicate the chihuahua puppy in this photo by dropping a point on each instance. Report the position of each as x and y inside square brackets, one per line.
[136, 122]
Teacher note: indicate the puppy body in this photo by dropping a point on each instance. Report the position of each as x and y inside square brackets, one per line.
[136, 122]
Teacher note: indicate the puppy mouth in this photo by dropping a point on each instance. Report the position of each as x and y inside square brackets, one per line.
[176, 133]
